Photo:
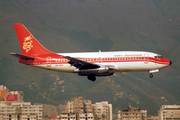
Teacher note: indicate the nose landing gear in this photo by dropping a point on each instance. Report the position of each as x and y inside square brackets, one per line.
[153, 71]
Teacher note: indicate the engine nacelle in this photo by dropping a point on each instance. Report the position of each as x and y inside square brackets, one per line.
[97, 70]
[102, 71]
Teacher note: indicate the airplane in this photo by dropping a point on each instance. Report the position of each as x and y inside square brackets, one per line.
[90, 64]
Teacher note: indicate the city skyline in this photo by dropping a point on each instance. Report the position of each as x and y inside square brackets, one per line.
[77, 108]
[93, 26]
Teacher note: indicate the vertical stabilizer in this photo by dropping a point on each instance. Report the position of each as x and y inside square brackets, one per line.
[28, 43]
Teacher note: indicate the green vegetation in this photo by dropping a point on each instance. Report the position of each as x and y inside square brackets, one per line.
[85, 38]
[83, 25]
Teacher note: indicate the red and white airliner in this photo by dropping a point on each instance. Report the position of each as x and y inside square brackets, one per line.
[90, 64]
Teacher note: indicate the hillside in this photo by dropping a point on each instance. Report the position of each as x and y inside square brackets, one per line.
[92, 25]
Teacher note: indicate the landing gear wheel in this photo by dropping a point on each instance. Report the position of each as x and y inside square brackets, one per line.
[91, 77]
[151, 75]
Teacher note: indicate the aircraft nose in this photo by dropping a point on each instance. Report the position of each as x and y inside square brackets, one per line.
[170, 63]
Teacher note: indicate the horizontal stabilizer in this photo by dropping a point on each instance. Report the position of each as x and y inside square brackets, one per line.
[21, 56]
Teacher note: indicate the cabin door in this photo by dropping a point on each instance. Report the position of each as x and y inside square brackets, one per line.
[48, 61]
[146, 58]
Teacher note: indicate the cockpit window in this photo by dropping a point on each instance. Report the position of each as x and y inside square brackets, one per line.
[158, 57]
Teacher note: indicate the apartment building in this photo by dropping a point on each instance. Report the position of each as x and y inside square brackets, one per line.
[77, 109]
[15, 96]
[7, 95]
[85, 116]
[3, 92]
[76, 116]
[102, 110]
[67, 116]
[169, 112]
[78, 105]
[20, 111]
[132, 113]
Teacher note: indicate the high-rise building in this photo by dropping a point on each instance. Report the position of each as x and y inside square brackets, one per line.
[132, 113]
[76, 116]
[15, 96]
[20, 111]
[77, 109]
[6, 95]
[67, 116]
[85, 116]
[102, 110]
[169, 112]
[3, 94]
[78, 105]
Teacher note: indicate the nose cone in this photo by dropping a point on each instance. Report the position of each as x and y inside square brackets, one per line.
[170, 63]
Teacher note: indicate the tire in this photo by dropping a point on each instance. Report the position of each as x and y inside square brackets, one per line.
[151, 75]
[91, 77]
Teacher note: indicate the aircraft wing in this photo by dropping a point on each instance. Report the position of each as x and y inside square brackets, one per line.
[81, 64]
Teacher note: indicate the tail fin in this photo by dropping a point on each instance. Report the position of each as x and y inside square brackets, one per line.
[28, 43]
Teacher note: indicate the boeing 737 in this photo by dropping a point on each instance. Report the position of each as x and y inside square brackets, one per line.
[90, 64]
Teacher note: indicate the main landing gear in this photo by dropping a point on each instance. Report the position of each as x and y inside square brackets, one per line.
[91, 77]
[151, 75]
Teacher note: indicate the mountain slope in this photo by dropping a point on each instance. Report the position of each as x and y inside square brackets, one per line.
[90, 25]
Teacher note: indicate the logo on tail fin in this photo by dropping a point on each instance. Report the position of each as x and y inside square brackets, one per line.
[27, 45]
